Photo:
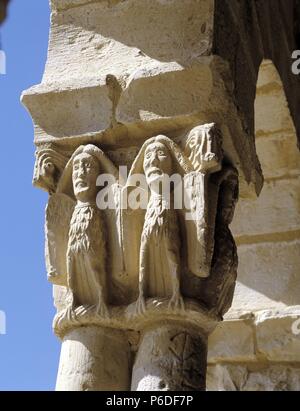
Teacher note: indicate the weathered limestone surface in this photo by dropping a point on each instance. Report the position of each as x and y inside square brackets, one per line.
[275, 337]
[267, 230]
[100, 361]
[253, 378]
[155, 72]
[170, 358]
[164, 88]
[232, 340]
[279, 194]
[274, 268]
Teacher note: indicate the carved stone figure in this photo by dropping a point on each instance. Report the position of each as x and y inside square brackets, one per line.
[203, 146]
[160, 252]
[49, 165]
[170, 242]
[159, 266]
[86, 254]
[218, 289]
[77, 257]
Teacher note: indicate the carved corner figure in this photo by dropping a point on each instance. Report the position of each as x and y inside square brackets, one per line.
[49, 165]
[84, 248]
[218, 289]
[203, 146]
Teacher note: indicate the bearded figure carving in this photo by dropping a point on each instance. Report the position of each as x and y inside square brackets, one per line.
[86, 257]
[162, 231]
[159, 267]
[79, 262]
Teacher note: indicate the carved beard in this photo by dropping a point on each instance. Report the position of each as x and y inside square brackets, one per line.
[160, 218]
[83, 226]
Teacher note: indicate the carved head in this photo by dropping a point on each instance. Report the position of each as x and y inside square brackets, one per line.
[80, 175]
[203, 146]
[159, 157]
[44, 174]
[48, 167]
[157, 162]
[86, 169]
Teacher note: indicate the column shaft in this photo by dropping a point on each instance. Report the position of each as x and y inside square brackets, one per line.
[94, 359]
[171, 357]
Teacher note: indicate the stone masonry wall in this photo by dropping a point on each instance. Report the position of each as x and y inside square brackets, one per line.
[255, 348]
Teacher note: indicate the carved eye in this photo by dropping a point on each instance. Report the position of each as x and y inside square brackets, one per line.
[49, 166]
[162, 153]
[192, 141]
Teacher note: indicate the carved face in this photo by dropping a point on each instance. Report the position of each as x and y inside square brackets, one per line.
[85, 172]
[45, 173]
[157, 162]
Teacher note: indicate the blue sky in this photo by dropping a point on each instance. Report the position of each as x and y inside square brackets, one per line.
[29, 352]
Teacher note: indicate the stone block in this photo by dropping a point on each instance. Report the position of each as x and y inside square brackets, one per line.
[257, 377]
[278, 337]
[231, 341]
[276, 210]
[272, 113]
[125, 36]
[268, 276]
[279, 155]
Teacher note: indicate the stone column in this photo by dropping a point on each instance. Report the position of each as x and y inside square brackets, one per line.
[94, 359]
[171, 357]
[144, 84]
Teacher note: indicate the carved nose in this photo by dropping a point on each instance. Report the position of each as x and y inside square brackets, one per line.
[81, 171]
[154, 159]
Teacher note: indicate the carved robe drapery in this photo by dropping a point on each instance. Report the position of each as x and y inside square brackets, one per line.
[160, 247]
[86, 258]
